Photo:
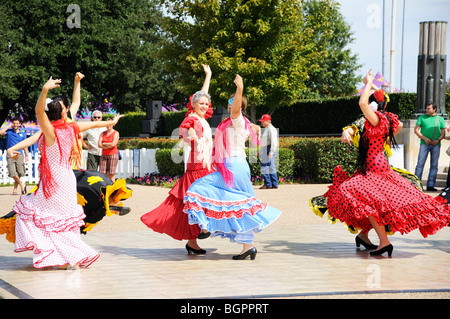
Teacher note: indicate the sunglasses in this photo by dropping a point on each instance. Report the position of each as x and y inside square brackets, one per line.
[230, 101]
[96, 117]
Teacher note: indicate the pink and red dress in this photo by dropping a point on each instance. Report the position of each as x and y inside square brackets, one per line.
[169, 218]
[382, 193]
[48, 221]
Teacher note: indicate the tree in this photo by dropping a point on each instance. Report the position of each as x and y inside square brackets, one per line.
[260, 40]
[115, 46]
[337, 73]
[272, 44]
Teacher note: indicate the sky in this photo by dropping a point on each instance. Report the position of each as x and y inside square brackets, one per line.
[366, 20]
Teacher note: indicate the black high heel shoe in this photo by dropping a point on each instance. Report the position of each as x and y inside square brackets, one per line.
[389, 248]
[251, 252]
[360, 242]
[191, 250]
[204, 235]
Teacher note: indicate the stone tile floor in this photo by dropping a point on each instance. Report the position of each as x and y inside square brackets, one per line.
[292, 261]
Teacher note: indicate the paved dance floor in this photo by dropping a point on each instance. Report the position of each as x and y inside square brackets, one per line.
[294, 260]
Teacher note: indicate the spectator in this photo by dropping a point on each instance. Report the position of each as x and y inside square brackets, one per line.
[16, 167]
[267, 151]
[110, 154]
[92, 136]
[430, 129]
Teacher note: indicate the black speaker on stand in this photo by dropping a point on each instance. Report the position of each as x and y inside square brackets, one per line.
[153, 123]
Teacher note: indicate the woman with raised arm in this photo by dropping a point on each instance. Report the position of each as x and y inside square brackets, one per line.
[224, 202]
[168, 218]
[375, 196]
[48, 221]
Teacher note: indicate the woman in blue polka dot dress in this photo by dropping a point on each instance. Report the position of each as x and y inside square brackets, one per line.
[224, 202]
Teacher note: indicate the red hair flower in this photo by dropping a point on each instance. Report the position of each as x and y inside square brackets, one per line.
[379, 95]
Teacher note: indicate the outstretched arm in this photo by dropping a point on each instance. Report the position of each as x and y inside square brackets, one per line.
[84, 126]
[13, 151]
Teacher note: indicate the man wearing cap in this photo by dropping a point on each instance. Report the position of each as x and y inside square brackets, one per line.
[267, 151]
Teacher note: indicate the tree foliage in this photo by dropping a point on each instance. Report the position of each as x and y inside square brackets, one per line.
[115, 47]
[278, 47]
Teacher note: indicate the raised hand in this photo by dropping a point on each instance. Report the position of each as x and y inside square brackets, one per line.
[79, 76]
[51, 84]
[238, 81]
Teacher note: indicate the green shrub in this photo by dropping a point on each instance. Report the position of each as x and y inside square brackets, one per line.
[151, 142]
[166, 166]
[316, 158]
[285, 162]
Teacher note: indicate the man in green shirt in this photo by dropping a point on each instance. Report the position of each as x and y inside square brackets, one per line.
[430, 129]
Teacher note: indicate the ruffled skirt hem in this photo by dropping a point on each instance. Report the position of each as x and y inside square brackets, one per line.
[237, 223]
[354, 207]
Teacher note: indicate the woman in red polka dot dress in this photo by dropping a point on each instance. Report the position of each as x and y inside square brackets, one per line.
[375, 196]
[48, 221]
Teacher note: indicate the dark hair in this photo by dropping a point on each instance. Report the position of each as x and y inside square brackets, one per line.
[16, 119]
[433, 104]
[364, 144]
[54, 110]
[381, 105]
[63, 99]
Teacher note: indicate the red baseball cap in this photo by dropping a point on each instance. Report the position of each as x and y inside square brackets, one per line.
[265, 117]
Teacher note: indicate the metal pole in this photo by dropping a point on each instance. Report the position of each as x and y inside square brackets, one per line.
[382, 44]
[392, 75]
[403, 37]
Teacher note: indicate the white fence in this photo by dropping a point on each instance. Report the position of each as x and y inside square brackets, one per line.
[136, 162]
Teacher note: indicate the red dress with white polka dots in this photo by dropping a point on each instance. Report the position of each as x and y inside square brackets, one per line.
[50, 227]
[382, 193]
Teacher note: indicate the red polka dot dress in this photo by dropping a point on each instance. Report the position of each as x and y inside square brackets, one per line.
[50, 226]
[382, 193]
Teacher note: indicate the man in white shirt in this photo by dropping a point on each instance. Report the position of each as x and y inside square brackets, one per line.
[268, 150]
[92, 136]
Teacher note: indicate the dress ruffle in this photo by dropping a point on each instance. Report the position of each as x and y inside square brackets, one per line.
[229, 212]
[377, 195]
[46, 219]
[168, 218]
[7, 226]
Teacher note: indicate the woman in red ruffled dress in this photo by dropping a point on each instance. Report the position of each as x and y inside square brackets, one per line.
[168, 218]
[375, 196]
[48, 221]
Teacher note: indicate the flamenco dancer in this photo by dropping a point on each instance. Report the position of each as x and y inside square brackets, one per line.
[224, 202]
[168, 218]
[351, 135]
[376, 196]
[48, 222]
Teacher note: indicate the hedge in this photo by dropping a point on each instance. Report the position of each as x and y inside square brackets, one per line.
[308, 160]
[319, 116]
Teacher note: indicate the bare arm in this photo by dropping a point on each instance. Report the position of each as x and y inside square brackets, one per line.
[364, 100]
[107, 145]
[84, 126]
[237, 102]
[208, 75]
[13, 150]
[3, 130]
[76, 96]
[44, 122]
[419, 134]
[399, 128]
